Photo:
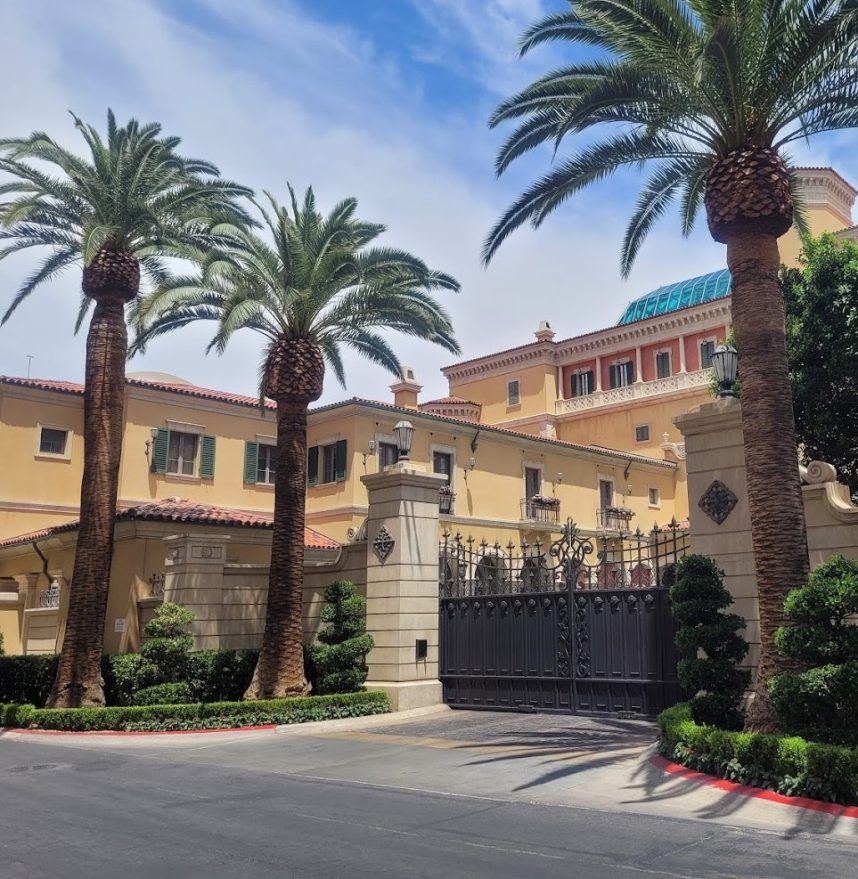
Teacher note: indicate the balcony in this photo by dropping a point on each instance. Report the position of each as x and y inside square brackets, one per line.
[635, 391]
[446, 501]
[614, 519]
[541, 509]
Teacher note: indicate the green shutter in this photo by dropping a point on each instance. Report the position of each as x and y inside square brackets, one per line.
[207, 457]
[251, 461]
[340, 461]
[313, 465]
[160, 446]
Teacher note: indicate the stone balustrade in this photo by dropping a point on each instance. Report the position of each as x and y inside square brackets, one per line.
[636, 391]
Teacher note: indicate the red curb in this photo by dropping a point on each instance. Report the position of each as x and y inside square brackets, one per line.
[756, 792]
[135, 732]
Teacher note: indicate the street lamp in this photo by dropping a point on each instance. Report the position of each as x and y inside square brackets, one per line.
[725, 362]
[404, 433]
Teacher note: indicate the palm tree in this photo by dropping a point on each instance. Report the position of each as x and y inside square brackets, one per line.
[312, 287]
[129, 205]
[710, 92]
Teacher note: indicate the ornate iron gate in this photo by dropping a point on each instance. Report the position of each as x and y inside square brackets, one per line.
[580, 625]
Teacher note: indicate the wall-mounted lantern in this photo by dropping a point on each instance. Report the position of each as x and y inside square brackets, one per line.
[151, 442]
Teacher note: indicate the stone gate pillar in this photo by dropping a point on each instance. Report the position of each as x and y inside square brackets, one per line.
[718, 515]
[402, 584]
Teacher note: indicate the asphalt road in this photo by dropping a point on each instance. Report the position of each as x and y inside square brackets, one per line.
[261, 805]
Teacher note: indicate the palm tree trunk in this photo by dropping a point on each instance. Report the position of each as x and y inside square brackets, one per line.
[280, 669]
[79, 682]
[774, 486]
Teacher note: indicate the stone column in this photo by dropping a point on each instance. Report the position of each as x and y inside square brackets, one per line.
[718, 504]
[402, 584]
[638, 365]
[194, 578]
[598, 373]
[682, 354]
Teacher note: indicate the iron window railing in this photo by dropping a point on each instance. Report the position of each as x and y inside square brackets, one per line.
[614, 518]
[541, 509]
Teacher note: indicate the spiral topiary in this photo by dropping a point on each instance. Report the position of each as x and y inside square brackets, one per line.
[711, 641]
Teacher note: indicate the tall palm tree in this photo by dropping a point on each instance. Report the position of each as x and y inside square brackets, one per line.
[311, 287]
[710, 92]
[131, 203]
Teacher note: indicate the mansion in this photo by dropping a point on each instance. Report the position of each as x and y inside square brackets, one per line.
[526, 438]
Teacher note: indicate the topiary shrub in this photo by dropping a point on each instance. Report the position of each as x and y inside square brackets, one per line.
[822, 702]
[164, 694]
[337, 663]
[165, 654]
[698, 599]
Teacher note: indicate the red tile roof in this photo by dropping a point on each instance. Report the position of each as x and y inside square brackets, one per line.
[184, 511]
[453, 400]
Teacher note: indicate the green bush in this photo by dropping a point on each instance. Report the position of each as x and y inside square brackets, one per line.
[166, 652]
[220, 675]
[214, 715]
[337, 663]
[27, 679]
[164, 694]
[2, 651]
[698, 599]
[820, 632]
[790, 765]
[821, 702]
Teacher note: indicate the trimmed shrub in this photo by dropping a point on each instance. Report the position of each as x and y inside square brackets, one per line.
[215, 715]
[27, 679]
[822, 702]
[164, 694]
[166, 651]
[337, 664]
[698, 598]
[220, 675]
[790, 765]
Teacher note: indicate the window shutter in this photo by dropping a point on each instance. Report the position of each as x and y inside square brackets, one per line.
[614, 375]
[313, 465]
[160, 445]
[251, 461]
[207, 457]
[340, 461]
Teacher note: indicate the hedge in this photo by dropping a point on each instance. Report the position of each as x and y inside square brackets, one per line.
[213, 676]
[789, 765]
[213, 715]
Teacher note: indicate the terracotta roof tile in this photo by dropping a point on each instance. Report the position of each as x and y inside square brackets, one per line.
[184, 511]
[452, 400]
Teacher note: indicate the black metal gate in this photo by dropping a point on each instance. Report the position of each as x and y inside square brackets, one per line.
[581, 625]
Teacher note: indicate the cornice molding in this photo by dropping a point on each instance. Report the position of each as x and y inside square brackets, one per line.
[600, 342]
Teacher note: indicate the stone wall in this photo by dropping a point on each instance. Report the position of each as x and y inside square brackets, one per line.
[715, 463]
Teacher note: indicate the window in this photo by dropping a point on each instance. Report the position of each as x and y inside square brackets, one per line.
[642, 433]
[182, 454]
[266, 464]
[654, 497]
[606, 493]
[582, 383]
[388, 454]
[662, 364]
[442, 462]
[532, 481]
[621, 374]
[707, 349]
[52, 441]
[327, 463]
[513, 393]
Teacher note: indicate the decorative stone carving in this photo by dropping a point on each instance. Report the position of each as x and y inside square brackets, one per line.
[818, 472]
[718, 501]
[383, 544]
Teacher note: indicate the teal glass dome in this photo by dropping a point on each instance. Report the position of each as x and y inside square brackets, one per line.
[682, 294]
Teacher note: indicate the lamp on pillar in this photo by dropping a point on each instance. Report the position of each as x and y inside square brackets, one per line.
[403, 431]
[725, 362]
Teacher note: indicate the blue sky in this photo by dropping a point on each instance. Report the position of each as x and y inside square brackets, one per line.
[385, 100]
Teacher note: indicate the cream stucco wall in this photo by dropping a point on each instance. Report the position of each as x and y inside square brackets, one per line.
[538, 389]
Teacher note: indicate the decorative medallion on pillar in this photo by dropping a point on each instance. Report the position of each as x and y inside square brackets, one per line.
[718, 501]
[383, 544]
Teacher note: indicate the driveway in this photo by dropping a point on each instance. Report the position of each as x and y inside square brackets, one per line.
[445, 793]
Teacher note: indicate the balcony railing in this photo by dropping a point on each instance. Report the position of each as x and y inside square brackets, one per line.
[446, 501]
[545, 510]
[614, 519]
[634, 391]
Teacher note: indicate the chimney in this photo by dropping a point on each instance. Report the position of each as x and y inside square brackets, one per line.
[544, 333]
[406, 390]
